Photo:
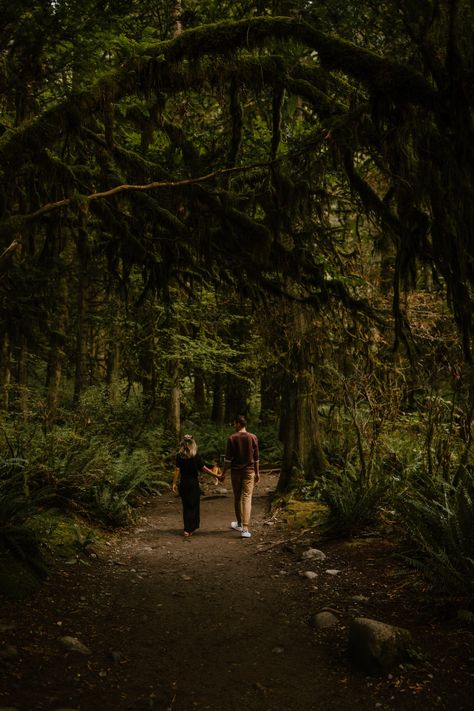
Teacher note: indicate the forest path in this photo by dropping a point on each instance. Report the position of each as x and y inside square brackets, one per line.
[209, 623]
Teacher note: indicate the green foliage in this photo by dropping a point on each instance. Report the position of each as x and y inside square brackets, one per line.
[438, 519]
[271, 448]
[115, 496]
[122, 422]
[18, 539]
[212, 438]
[84, 472]
[354, 502]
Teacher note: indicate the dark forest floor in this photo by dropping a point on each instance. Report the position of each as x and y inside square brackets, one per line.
[220, 623]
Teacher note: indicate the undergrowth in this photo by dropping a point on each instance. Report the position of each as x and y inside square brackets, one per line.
[438, 522]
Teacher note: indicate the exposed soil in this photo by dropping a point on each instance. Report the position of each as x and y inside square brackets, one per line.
[220, 623]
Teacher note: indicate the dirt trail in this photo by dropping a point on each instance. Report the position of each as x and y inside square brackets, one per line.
[212, 622]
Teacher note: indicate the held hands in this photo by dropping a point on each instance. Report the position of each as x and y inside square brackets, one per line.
[217, 473]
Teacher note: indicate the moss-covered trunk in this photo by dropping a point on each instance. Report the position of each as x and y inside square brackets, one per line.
[218, 400]
[5, 372]
[303, 455]
[57, 354]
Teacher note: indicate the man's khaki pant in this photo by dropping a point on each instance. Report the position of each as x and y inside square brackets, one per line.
[242, 486]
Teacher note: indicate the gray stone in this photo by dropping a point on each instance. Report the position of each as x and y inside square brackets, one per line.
[323, 620]
[375, 647]
[310, 574]
[75, 645]
[360, 598]
[313, 554]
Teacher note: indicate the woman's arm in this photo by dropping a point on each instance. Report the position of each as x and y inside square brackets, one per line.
[212, 472]
[175, 480]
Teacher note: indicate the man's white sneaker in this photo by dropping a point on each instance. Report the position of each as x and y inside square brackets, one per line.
[235, 526]
[245, 534]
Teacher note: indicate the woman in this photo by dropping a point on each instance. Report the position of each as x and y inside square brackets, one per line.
[188, 465]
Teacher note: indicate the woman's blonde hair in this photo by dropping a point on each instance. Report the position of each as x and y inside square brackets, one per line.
[187, 447]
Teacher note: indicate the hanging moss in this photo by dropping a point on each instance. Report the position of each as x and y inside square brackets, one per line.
[236, 114]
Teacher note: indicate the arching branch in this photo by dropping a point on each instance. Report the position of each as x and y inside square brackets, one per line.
[18, 223]
[155, 70]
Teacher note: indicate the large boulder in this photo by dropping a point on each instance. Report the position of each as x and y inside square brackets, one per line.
[375, 647]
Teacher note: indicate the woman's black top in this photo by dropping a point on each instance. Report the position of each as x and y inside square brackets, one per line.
[189, 467]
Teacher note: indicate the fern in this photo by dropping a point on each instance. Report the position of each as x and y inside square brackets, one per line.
[354, 501]
[439, 524]
[17, 539]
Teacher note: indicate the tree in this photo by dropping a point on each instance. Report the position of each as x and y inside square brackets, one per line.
[202, 154]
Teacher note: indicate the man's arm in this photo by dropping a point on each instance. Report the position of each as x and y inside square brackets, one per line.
[256, 460]
[227, 458]
[225, 468]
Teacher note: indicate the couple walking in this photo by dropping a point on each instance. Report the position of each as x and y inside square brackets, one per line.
[241, 457]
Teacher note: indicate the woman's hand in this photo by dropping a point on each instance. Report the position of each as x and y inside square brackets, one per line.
[174, 487]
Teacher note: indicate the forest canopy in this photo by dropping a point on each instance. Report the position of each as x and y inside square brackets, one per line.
[217, 207]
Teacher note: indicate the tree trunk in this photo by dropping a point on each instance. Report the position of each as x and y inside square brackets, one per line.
[200, 402]
[148, 371]
[237, 397]
[270, 394]
[173, 417]
[174, 420]
[5, 372]
[218, 400]
[80, 338]
[303, 456]
[56, 348]
[176, 19]
[112, 377]
[22, 376]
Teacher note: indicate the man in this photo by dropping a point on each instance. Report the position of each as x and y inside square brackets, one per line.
[242, 458]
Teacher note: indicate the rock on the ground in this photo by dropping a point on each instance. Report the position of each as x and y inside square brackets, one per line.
[310, 574]
[375, 647]
[323, 620]
[313, 554]
[75, 645]
[360, 598]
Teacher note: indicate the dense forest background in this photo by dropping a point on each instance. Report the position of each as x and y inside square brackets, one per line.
[210, 208]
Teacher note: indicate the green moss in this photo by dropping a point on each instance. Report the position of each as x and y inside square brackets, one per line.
[304, 514]
[64, 535]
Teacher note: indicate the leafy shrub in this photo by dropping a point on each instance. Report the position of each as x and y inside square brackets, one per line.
[439, 521]
[116, 495]
[84, 471]
[18, 539]
[354, 501]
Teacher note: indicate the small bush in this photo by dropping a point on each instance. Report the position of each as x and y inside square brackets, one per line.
[18, 539]
[130, 477]
[438, 519]
[354, 502]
